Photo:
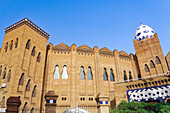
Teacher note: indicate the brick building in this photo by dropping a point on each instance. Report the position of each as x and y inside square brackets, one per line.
[60, 78]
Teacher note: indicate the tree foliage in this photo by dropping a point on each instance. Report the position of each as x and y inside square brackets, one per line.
[141, 107]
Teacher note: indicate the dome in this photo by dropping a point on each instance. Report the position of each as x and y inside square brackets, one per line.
[144, 31]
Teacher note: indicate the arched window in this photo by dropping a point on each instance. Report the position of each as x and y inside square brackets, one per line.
[21, 80]
[28, 86]
[24, 110]
[4, 74]
[64, 74]
[16, 43]
[32, 110]
[0, 70]
[34, 91]
[139, 76]
[168, 101]
[89, 74]
[152, 64]
[33, 51]
[6, 47]
[105, 76]
[125, 77]
[9, 76]
[82, 74]
[11, 45]
[3, 102]
[56, 72]
[146, 68]
[130, 75]
[28, 44]
[158, 61]
[38, 57]
[111, 75]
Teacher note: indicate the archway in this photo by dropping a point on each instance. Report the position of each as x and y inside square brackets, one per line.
[167, 101]
[76, 110]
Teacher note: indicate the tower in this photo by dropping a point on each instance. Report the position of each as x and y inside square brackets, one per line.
[148, 51]
[22, 60]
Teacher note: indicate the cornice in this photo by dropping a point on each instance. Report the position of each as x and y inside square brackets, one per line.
[30, 24]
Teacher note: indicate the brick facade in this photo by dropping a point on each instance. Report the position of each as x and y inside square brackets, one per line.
[32, 70]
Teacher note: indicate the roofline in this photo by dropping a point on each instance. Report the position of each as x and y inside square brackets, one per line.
[30, 24]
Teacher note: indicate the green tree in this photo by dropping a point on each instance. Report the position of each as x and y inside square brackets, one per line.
[140, 107]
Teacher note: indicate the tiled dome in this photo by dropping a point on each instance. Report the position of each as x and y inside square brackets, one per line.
[143, 31]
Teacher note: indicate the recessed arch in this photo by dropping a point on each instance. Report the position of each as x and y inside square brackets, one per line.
[33, 51]
[11, 44]
[38, 57]
[28, 44]
[6, 47]
[28, 86]
[21, 80]
[89, 74]
[0, 70]
[112, 75]
[139, 76]
[105, 76]
[152, 64]
[4, 74]
[82, 73]
[125, 76]
[167, 101]
[3, 102]
[16, 43]
[130, 75]
[24, 110]
[56, 72]
[158, 62]
[64, 73]
[32, 110]
[34, 91]
[9, 75]
[147, 69]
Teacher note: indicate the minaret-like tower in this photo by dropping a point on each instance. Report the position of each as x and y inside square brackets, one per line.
[148, 51]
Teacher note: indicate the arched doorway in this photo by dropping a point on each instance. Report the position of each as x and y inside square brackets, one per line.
[76, 110]
[168, 101]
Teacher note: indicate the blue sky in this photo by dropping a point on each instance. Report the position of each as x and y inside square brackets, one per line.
[102, 23]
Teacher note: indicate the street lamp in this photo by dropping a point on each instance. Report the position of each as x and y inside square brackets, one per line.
[3, 85]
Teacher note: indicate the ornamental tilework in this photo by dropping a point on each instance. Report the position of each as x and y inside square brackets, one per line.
[150, 93]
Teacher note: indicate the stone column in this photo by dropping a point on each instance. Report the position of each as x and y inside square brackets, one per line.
[13, 103]
[51, 102]
[103, 104]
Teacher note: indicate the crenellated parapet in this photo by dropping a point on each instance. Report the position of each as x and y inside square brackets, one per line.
[124, 56]
[86, 50]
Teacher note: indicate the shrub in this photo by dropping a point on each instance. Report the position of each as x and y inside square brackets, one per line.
[141, 107]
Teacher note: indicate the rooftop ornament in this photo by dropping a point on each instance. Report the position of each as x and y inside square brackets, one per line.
[143, 32]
